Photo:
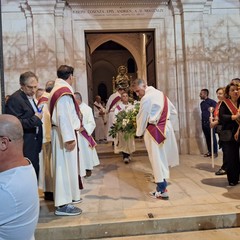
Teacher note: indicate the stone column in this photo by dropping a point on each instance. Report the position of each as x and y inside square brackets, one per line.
[44, 39]
[191, 63]
[176, 72]
[143, 56]
[59, 33]
[29, 32]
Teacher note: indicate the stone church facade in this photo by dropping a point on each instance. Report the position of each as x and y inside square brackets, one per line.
[196, 45]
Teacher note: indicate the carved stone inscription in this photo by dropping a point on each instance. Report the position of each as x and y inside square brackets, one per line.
[119, 12]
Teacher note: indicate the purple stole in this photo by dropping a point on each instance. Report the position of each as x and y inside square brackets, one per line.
[118, 108]
[42, 100]
[66, 91]
[158, 131]
[99, 108]
[114, 101]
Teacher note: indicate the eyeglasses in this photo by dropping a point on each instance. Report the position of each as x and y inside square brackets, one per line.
[6, 138]
[31, 87]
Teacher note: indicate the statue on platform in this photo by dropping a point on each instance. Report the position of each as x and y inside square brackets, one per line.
[122, 78]
[123, 81]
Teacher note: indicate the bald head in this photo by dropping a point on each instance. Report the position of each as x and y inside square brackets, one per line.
[98, 99]
[49, 86]
[10, 127]
[78, 97]
[11, 143]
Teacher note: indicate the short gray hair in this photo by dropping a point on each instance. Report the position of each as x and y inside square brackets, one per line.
[139, 82]
[25, 76]
[78, 96]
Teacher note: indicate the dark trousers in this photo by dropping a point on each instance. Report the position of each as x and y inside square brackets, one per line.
[31, 149]
[207, 133]
[224, 165]
[161, 186]
[231, 157]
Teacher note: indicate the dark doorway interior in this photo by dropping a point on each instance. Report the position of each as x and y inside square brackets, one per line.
[102, 92]
[107, 57]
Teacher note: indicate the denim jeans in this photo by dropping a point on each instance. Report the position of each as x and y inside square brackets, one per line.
[161, 186]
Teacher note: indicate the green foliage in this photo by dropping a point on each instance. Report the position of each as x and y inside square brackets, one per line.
[125, 122]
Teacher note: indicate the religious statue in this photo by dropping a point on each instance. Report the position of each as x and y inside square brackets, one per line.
[122, 78]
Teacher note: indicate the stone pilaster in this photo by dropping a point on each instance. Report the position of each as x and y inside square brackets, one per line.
[44, 39]
[29, 31]
[190, 71]
[180, 73]
[59, 33]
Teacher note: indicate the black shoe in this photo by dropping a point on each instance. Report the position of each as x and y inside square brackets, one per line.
[88, 172]
[220, 172]
[207, 154]
[48, 196]
[215, 155]
[233, 184]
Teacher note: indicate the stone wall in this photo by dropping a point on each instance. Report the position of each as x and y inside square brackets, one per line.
[197, 45]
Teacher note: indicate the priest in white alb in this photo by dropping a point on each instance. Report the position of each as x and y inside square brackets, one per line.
[65, 126]
[112, 102]
[125, 146]
[153, 121]
[99, 116]
[45, 181]
[87, 146]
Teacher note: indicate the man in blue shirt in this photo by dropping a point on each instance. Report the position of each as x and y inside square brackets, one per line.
[205, 105]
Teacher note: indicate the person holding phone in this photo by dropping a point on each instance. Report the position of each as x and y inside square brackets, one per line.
[22, 105]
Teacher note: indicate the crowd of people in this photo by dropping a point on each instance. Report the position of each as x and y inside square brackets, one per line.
[54, 148]
[225, 122]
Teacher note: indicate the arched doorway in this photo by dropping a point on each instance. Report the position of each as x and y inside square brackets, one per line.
[105, 61]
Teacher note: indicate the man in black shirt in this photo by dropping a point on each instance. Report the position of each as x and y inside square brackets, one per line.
[205, 105]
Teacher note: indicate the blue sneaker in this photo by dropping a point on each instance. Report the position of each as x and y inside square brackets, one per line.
[68, 210]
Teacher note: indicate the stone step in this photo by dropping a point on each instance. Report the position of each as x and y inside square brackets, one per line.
[217, 234]
[116, 202]
[139, 227]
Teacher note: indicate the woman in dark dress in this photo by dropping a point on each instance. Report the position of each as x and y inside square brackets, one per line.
[229, 117]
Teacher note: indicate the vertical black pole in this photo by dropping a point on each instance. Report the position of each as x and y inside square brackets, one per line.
[1, 63]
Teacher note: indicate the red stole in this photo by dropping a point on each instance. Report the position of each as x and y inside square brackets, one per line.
[114, 101]
[59, 93]
[158, 131]
[216, 110]
[66, 91]
[42, 100]
[233, 109]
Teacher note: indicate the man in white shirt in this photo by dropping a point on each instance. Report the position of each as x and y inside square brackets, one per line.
[19, 202]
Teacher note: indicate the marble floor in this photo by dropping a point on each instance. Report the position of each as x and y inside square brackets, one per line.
[116, 200]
